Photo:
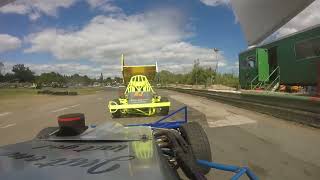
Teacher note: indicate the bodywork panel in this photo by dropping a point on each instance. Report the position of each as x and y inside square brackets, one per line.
[140, 97]
[106, 158]
[109, 131]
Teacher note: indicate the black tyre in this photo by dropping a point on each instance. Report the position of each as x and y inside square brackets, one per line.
[72, 93]
[164, 110]
[116, 114]
[194, 134]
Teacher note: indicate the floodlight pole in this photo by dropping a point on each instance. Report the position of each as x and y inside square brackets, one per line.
[216, 50]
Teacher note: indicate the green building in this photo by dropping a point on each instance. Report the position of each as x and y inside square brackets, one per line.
[291, 60]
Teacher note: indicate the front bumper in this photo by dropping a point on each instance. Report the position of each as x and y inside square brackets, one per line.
[114, 107]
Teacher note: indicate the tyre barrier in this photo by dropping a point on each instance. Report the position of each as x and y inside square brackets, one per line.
[58, 93]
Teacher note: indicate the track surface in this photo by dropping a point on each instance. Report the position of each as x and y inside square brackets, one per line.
[272, 148]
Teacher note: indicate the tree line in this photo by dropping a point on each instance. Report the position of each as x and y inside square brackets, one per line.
[199, 76]
[22, 74]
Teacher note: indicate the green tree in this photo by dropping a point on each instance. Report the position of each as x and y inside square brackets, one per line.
[49, 78]
[1, 73]
[101, 78]
[86, 80]
[200, 75]
[195, 72]
[9, 77]
[78, 79]
[108, 80]
[118, 79]
[166, 77]
[227, 79]
[22, 73]
[1, 69]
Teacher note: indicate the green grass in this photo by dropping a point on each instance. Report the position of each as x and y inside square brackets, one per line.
[85, 90]
[14, 92]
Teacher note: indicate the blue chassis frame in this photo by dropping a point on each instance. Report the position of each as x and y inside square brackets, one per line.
[239, 171]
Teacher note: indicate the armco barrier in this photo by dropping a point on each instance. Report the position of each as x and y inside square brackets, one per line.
[305, 110]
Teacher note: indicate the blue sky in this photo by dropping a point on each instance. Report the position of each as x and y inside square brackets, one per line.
[88, 36]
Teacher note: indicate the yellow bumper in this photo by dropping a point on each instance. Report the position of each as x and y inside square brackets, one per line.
[113, 107]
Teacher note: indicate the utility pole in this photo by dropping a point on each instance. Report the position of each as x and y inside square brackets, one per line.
[216, 51]
[196, 68]
[101, 79]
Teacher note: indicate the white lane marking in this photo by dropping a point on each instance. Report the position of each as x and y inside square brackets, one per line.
[65, 108]
[9, 125]
[232, 120]
[61, 109]
[5, 114]
[73, 106]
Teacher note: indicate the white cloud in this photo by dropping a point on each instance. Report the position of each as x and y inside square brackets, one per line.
[215, 2]
[143, 38]
[307, 18]
[104, 5]
[35, 8]
[230, 67]
[8, 42]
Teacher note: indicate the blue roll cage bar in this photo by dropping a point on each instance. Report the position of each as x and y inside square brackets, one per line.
[161, 123]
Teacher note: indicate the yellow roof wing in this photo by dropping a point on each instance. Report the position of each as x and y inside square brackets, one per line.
[147, 70]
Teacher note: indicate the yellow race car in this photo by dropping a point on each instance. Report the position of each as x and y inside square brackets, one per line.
[139, 97]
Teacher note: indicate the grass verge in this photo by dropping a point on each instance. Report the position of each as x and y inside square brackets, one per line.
[7, 93]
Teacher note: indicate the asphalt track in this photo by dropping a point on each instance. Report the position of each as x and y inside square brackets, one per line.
[271, 147]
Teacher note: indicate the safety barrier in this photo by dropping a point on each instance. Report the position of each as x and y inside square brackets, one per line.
[305, 110]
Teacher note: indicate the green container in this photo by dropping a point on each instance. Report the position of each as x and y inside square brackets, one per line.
[296, 55]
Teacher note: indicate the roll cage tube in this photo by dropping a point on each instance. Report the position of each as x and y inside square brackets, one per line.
[180, 147]
[139, 83]
[240, 171]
